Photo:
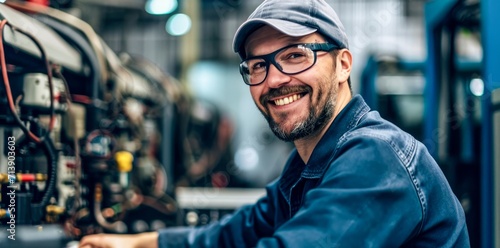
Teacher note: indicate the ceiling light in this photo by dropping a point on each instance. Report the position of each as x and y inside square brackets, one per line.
[178, 24]
[161, 7]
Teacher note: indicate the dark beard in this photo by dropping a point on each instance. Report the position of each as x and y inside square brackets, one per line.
[312, 124]
[318, 117]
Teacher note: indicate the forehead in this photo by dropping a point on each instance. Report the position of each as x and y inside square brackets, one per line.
[267, 39]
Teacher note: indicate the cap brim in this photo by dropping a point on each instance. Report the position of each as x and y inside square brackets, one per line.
[286, 27]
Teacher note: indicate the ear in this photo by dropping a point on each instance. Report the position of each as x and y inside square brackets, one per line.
[344, 65]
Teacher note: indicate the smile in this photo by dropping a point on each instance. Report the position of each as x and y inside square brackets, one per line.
[287, 100]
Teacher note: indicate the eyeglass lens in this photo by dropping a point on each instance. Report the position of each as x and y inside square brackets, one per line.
[290, 60]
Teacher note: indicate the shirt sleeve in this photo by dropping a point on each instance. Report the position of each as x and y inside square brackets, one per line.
[242, 229]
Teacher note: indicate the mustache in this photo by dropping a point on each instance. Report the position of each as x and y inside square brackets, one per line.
[283, 91]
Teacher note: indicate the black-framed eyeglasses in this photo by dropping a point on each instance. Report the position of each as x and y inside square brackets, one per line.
[290, 60]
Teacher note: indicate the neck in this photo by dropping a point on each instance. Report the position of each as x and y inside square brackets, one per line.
[305, 146]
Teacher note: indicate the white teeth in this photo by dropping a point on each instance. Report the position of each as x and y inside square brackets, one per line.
[286, 100]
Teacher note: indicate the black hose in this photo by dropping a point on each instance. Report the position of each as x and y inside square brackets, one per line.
[52, 160]
[37, 209]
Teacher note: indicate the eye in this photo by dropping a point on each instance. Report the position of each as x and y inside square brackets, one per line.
[295, 55]
[257, 67]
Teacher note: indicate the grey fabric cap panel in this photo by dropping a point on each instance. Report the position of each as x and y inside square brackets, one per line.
[294, 18]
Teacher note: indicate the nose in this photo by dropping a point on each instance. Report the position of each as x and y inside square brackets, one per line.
[275, 78]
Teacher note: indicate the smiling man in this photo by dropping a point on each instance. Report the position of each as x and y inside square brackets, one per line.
[354, 179]
[297, 84]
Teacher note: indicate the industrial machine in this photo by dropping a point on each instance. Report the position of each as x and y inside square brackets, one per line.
[87, 138]
[461, 107]
[449, 102]
[394, 87]
[97, 142]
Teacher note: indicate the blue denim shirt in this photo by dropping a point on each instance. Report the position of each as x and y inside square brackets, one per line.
[367, 184]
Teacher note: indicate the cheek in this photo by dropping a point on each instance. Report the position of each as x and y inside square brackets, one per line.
[323, 87]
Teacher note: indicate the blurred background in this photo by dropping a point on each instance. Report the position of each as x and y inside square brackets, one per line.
[128, 116]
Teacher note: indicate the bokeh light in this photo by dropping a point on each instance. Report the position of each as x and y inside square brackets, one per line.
[178, 24]
[161, 7]
[477, 86]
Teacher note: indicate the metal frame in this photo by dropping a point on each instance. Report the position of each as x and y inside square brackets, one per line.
[437, 15]
[371, 71]
[491, 59]
[368, 80]
[496, 168]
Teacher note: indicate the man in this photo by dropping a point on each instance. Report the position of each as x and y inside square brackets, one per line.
[354, 180]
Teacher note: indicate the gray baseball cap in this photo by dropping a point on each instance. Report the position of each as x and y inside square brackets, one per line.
[295, 18]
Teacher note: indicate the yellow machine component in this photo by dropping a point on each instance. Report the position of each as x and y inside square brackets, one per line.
[124, 161]
[54, 210]
[3, 213]
[4, 178]
[53, 213]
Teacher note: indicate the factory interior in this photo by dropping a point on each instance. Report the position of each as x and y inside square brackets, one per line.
[129, 116]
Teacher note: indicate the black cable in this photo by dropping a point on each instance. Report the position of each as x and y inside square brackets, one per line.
[8, 92]
[52, 160]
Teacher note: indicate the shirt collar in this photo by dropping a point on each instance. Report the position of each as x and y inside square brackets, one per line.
[323, 152]
[345, 120]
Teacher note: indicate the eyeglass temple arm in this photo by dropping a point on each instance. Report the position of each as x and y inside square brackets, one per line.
[324, 47]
